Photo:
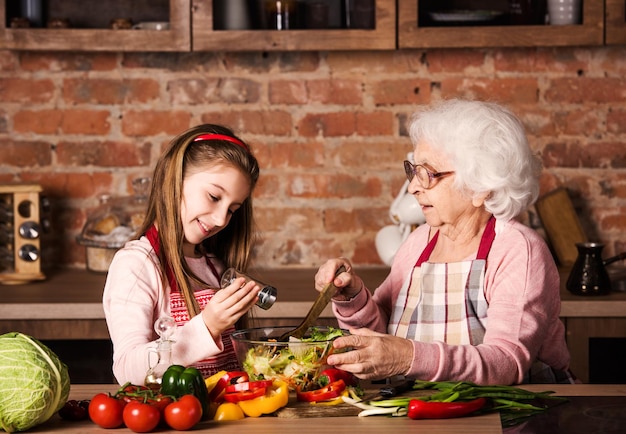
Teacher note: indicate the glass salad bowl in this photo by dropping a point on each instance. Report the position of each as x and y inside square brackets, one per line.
[296, 362]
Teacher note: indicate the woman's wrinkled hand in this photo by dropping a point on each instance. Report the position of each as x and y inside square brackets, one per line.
[347, 283]
[228, 305]
[372, 355]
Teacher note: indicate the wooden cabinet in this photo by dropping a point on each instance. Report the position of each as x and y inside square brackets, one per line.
[90, 29]
[615, 22]
[381, 37]
[414, 32]
[398, 24]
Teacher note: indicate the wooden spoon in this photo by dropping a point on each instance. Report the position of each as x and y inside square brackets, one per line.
[320, 304]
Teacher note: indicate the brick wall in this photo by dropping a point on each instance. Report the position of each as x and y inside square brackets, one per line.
[328, 129]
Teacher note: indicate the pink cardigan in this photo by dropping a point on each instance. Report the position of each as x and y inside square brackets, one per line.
[134, 298]
[522, 289]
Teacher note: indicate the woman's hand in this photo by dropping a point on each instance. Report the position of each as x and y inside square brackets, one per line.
[373, 355]
[228, 305]
[347, 283]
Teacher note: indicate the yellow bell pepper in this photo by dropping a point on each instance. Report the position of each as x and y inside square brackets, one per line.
[228, 411]
[275, 397]
[213, 379]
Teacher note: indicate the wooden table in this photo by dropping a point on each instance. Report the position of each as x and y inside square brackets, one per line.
[485, 424]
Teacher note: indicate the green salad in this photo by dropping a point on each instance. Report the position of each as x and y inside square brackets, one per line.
[295, 362]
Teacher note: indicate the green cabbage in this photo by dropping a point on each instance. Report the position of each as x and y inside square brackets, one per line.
[34, 383]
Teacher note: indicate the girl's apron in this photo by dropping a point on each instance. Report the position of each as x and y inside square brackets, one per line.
[446, 302]
[226, 360]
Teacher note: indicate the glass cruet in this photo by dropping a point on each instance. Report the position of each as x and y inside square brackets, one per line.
[160, 358]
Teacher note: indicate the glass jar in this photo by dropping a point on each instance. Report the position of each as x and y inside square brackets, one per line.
[112, 224]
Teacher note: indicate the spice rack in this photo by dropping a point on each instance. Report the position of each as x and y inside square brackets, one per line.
[20, 234]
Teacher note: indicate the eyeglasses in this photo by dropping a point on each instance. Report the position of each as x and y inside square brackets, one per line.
[424, 176]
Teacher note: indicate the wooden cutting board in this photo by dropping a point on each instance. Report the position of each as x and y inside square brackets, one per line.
[561, 224]
[299, 410]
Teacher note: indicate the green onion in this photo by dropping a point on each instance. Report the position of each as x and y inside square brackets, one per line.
[507, 400]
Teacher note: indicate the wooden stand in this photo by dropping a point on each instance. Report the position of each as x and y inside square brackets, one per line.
[22, 222]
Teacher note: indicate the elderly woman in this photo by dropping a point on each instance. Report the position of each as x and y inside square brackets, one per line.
[473, 294]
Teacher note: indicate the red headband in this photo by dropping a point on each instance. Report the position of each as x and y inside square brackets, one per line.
[212, 136]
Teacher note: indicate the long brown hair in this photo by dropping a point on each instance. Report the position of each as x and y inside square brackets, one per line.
[233, 244]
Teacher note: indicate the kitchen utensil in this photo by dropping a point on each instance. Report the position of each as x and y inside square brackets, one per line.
[232, 15]
[320, 303]
[589, 275]
[267, 295]
[561, 224]
[390, 391]
[564, 12]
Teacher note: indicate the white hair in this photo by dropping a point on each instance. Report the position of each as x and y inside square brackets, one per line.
[487, 146]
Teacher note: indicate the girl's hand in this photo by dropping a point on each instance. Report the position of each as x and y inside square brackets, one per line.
[372, 355]
[347, 283]
[228, 305]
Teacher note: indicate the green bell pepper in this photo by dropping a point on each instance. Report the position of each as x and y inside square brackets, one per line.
[178, 381]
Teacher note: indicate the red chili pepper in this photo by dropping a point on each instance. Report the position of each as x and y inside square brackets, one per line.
[331, 375]
[333, 390]
[419, 409]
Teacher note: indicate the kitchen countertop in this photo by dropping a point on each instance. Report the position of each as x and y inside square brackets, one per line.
[571, 417]
[77, 294]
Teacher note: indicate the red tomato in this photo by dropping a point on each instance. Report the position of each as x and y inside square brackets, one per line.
[140, 417]
[183, 414]
[106, 411]
[160, 402]
[133, 388]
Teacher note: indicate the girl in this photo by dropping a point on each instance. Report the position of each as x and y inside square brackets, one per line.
[198, 222]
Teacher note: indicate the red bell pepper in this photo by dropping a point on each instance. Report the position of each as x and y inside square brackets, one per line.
[232, 377]
[419, 409]
[244, 395]
[333, 390]
[331, 375]
[248, 385]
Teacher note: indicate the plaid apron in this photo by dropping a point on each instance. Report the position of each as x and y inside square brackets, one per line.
[446, 302]
[226, 360]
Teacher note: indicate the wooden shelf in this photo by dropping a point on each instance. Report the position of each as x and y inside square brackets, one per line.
[383, 37]
[397, 27]
[412, 35]
[615, 22]
[177, 38]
